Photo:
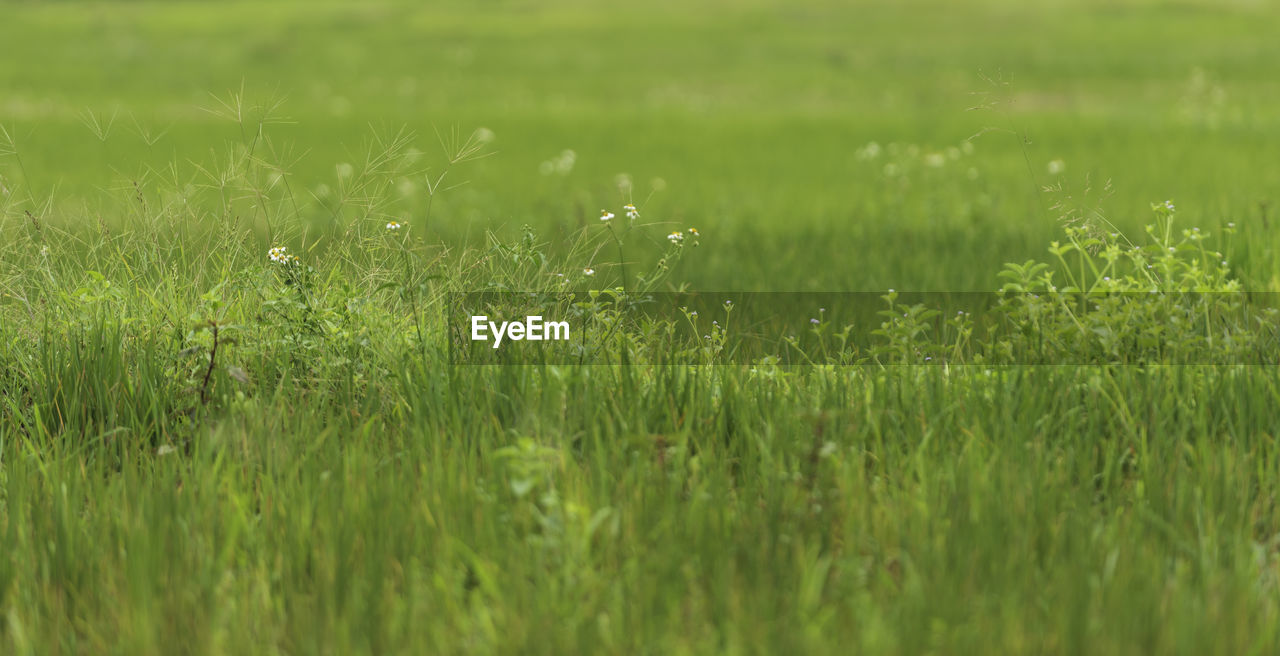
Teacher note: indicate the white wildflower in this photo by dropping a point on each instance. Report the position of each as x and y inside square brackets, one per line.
[280, 255]
[869, 151]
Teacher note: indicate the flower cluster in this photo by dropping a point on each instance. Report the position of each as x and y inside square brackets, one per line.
[678, 237]
[630, 210]
[561, 164]
[902, 161]
[280, 256]
[394, 225]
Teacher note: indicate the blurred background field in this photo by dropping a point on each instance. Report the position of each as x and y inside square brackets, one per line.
[203, 450]
[749, 115]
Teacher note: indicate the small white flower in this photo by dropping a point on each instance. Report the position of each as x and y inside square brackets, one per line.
[1231, 224]
[632, 212]
[869, 151]
[394, 225]
[1168, 205]
[561, 164]
[280, 255]
[676, 237]
[588, 271]
[606, 215]
[564, 163]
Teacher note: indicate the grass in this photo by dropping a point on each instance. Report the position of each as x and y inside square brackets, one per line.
[202, 451]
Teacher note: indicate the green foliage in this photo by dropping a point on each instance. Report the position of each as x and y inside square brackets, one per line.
[204, 450]
[1171, 300]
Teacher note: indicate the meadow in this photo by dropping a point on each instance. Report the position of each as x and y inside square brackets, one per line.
[210, 446]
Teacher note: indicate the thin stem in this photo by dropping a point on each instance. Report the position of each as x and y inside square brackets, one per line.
[213, 358]
[622, 259]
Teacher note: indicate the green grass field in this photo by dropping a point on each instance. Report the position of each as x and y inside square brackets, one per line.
[206, 451]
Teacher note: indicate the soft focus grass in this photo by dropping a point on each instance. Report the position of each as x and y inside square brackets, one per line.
[749, 111]
[358, 495]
